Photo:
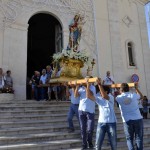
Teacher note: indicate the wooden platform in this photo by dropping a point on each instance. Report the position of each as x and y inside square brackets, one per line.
[72, 81]
[93, 80]
[117, 85]
[83, 81]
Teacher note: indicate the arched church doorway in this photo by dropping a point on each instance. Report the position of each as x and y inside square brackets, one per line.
[44, 39]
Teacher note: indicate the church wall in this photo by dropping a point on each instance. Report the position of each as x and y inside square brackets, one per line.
[15, 57]
[13, 51]
[14, 48]
[1, 46]
[106, 40]
[103, 37]
[117, 23]
[130, 30]
[20, 67]
[145, 48]
[115, 39]
[20, 85]
[23, 19]
[108, 37]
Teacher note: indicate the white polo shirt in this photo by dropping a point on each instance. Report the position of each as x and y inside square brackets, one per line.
[86, 104]
[74, 100]
[106, 109]
[128, 104]
[108, 80]
[43, 78]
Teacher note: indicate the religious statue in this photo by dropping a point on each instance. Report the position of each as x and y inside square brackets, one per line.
[75, 29]
[72, 59]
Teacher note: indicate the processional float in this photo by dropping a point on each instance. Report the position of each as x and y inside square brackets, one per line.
[71, 60]
[68, 63]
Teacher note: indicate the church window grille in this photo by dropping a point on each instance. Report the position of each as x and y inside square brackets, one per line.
[130, 54]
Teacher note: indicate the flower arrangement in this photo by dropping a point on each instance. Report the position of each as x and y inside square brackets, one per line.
[83, 56]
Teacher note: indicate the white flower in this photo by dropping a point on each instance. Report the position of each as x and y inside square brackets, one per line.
[83, 55]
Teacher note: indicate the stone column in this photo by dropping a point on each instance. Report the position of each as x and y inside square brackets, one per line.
[145, 50]
[15, 57]
[1, 42]
[1, 47]
[115, 40]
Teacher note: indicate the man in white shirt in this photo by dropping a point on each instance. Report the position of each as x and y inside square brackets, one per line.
[107, 119]
[56, 88]
[86, 115]
[108, 79]
[49, 72]
[42, 82]
[131, 116]
[73, 109]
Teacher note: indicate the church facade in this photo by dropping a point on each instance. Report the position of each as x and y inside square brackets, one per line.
[114, 32]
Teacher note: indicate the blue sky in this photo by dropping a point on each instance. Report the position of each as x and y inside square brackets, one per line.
[147, 12]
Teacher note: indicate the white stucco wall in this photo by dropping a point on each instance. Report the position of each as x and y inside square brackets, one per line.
[104, 34]
[136, 32]
[112, 36]
[1, 47]
[14, 28]
[14, 51]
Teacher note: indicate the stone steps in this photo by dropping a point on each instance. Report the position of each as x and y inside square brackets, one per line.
[48, 117]
[44, 120]
[33, 114]
[51, 123]
[37, 104]
[35, 123]
[49, 145]
[51, 136]
[68, 144]
[32, 125]
[50, 128]
[26, 111]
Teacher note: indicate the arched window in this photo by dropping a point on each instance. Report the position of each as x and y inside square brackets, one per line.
[130, 54]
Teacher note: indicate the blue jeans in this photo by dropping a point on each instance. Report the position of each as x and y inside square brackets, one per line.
[110, 129]
[36, 93]
[131, 128]
[43, 92]
[73, 110]
[87, 127]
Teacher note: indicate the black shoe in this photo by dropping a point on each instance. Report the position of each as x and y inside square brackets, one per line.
[91, 145]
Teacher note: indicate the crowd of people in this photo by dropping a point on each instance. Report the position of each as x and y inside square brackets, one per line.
[6, 82]
[40, 87]
[133, 106]
[83, 99]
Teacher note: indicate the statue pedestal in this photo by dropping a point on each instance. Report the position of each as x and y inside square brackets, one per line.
[70, 70]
